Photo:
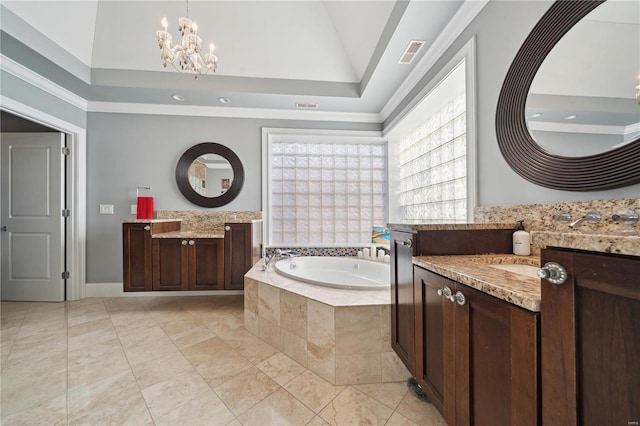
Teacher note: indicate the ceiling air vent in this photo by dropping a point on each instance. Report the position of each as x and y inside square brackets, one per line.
[306, 105]
[411, 51]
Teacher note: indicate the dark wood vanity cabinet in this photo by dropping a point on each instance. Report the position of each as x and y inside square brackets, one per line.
[188, 264]
[242, 250]
[591, 340]
[402, 249]
[137, 253]
[404, 245]
[476, 355]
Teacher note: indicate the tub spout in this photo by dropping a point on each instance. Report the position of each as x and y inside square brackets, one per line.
[277, 254]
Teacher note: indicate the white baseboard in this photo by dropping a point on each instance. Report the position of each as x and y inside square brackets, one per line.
[115, 290]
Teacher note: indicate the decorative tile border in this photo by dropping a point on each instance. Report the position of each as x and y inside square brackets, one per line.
[322, 251]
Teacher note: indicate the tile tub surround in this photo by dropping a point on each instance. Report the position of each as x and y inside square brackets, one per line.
[475, 271]
[343, 336]
[208, 221]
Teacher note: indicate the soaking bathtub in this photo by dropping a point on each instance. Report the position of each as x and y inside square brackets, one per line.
[349, 273]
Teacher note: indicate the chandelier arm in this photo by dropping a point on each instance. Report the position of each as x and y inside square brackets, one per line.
[185, 56]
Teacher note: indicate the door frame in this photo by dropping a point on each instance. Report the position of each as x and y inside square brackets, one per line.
[76, 187]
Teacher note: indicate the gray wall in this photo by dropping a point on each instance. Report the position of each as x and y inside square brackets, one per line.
[500, 30]
[127, 150]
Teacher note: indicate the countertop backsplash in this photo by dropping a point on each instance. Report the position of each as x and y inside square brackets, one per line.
[540, 217]
[606, 235]
[208, 221]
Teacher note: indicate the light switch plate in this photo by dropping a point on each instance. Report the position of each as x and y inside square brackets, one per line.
[134, 209]
[106, 208]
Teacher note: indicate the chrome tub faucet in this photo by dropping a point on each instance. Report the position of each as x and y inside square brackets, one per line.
[277, 254]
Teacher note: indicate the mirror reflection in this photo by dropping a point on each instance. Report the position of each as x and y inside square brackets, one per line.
[210, 175]
[584, 98]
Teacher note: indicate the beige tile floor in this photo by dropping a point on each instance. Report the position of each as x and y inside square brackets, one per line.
[170, 361]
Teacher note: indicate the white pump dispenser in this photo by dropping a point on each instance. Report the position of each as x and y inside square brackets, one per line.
[521, 241]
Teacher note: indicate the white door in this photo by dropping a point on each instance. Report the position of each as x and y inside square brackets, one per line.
[33, 245]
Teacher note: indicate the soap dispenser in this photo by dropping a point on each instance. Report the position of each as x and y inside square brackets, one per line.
[521, 241]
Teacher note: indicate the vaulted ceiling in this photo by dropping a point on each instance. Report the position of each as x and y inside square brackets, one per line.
[341, 54]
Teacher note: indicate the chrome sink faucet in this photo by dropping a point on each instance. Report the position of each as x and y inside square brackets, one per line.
[591, 217]
[277, 254]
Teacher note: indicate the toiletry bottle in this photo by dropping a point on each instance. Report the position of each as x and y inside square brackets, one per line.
[521, 241]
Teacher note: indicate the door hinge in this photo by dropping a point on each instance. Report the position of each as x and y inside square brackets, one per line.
[66, 275]
[66, 212]
[65, 150]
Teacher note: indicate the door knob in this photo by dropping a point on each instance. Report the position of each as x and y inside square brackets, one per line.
[553, 272]
[147, 228]
[3, 228]
[227, 228]
[184, 242]
[191, 242]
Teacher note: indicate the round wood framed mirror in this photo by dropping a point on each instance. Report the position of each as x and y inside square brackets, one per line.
[612, 169]
[209, 174]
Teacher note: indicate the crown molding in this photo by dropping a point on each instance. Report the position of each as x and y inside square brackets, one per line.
[231, 112]
[463, 17]
[25, 74]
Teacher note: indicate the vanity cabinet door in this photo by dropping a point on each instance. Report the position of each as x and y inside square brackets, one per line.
[591, 340]
[242, 250]
[136, 262]
[206, 264]
[188, 264]
[402, 303]
[170, 264]
[435, 344]
[496, 361]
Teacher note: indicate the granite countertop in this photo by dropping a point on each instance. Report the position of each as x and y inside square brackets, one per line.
[150, 220]
[449, 226]
[475, 271]
[189, 234]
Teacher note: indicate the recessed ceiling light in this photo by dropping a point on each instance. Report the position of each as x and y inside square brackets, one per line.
[224, 100]
[178, 97]
[570, 117]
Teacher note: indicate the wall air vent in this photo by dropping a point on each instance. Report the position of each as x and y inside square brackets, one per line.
[306, 105]
[411, 51]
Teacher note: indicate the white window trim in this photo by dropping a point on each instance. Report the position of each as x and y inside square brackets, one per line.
[271, 135]
[467, 52]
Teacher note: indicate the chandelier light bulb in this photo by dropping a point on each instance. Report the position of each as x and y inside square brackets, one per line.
[185, 56]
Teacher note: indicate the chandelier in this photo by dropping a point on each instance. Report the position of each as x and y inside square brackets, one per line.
[187, 56]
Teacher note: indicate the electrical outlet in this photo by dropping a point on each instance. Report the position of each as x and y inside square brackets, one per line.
[134, 209]
[106, 208]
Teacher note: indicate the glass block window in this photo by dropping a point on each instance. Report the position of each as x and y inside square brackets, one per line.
[433, 162]
[327, 193]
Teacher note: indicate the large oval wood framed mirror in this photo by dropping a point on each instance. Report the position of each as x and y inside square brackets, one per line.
[606, 170]
[209, 174]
